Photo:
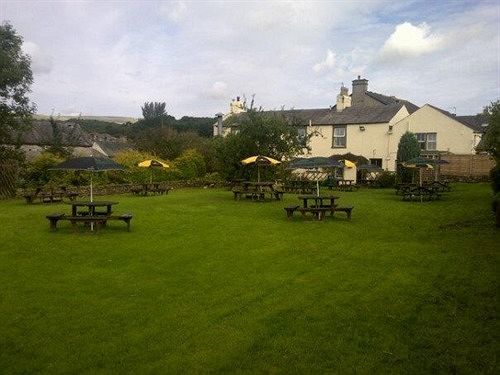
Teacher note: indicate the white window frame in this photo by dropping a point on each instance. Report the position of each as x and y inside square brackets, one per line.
[425, 141]
[337, 138]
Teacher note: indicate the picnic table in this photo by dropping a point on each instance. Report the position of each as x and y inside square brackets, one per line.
[91, 208]
[257, 190]
[421, 193]
[346, 185]
[322, 204]
[90, 216]
[152, 188]
[299, 186]
[49, 196]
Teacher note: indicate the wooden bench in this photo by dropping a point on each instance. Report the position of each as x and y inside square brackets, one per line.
[347, 210]
[100, 220]
[290, 210]
[123, 217]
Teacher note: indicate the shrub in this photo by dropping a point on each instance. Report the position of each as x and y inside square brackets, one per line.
[190, 164]
[495, 178]
[386, 179]
[37, 172]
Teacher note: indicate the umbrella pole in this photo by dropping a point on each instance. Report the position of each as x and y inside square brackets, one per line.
[420, 178]
[258, 173]
[91, 199]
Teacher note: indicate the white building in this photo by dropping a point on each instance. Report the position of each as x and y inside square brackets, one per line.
[370, 124]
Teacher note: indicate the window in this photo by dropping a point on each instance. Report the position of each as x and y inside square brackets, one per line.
[339, 136]
[302, 134]
[427, 141]
[377, 162]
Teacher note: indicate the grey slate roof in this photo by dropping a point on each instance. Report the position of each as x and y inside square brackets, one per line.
[360, 115]
[384, 99]
[472, 122]
[40, 133]
[352, 115]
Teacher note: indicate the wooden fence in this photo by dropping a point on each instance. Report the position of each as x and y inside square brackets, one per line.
[474, 165]
[8, 179]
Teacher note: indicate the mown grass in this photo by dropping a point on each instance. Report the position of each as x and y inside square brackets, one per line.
[203, 283]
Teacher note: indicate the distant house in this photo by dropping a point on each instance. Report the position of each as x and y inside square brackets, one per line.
[370, 124]
[40, 136]
[109, 145]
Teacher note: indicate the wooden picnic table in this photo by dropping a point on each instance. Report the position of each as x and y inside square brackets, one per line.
[319, 200]
[346, 185]
[257, 190]
[91, 206]
[91, 217]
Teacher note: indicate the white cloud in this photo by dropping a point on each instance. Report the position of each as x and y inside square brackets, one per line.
[218, 91]
[41, 62]
[326, 64]
[196, 56]
[174, 11]
[408, 40]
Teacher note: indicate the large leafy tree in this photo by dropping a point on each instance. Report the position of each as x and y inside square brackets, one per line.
[15, 81]
[408, 148]
[491, 141]
[258, 133]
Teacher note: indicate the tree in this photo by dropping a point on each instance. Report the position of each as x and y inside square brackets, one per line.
[15, 81]
[57, 147]
[491, 141]
[259, 133]
[154, 110]
[408, 148]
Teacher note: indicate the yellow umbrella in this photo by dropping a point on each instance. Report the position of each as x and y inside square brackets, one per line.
[152, 163]
[260, 160]
[349, 164]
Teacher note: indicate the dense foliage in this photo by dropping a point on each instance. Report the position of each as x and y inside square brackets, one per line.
[491, 141]
[15, 81]
[258, 133]
[408, 148]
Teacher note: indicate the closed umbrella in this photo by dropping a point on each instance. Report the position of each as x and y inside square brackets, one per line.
[260, 160]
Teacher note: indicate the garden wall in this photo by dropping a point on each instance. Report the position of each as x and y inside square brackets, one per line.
[473, 167]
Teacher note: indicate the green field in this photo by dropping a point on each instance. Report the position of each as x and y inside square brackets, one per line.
[203, 283]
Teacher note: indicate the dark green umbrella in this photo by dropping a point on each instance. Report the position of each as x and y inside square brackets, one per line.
[90, 164]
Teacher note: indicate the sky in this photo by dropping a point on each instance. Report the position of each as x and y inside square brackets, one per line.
[109, 57]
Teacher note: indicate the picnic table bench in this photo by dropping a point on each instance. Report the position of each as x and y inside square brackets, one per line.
[420, 193]
[153, 189]
[99, 220]
[347, 185]
[50, 196]
[321, 207]
[257, 191]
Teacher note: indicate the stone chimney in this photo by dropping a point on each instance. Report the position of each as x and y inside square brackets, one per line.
[343, 99]
[359, 87]
[236, 106]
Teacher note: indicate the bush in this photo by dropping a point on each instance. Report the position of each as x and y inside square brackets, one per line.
[190, 164]
[37, 172]
[386, 179]
[495, 178]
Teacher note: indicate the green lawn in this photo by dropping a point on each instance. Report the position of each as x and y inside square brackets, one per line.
[203, 283]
